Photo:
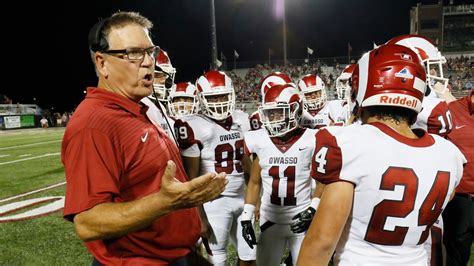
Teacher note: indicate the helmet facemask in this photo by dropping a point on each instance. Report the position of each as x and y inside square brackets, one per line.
[434, 75]
[160, 87]
[342, 85]
[215, 107]
[314, 99]
[352, 104]
[279, 119]
[182, 105]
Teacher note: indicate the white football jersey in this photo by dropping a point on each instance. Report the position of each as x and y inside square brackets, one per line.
[255, 121]
[401, 186]
[221, 146]
[286, 181]
[316, 119]
[434, 117]
[339, 112]
[158, 116]
[333, 113]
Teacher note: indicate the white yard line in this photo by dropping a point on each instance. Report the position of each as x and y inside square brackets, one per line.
[29, 145]
[32, 192]
[4, 155]
[31, 158]
[25, 155]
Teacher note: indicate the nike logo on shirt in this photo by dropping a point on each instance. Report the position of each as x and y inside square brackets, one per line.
[459, 127]
[144, 137]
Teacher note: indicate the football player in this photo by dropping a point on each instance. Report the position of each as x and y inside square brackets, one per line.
[280, 170]
[164, 78]
[318, 111]
[213, 142]
[385, 184]
[157, 102]
[342, 90]
[343, 82]
[183, 100]
[434, 116]
[255, 121]
[274, 78]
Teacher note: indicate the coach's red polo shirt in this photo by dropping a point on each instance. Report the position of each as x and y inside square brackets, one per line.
[462, 135]
[112, 153]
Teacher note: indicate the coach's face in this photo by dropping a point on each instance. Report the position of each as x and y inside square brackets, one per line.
[123, 73]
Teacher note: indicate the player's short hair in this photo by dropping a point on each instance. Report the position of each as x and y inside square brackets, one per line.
[398, 114]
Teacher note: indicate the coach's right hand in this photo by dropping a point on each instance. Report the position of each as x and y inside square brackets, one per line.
[192, 193]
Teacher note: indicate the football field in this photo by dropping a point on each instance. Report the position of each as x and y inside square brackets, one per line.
[32, 184]
[31, 168]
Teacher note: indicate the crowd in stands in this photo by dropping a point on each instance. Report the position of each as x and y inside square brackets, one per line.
[460, 71]
[247, 88]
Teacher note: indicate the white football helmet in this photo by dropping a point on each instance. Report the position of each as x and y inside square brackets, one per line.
[163, 66]
[310, 85]
[183, 99]
[281, 109]
[343, 81]
[430, 56]
[272, 79]
[216, 94]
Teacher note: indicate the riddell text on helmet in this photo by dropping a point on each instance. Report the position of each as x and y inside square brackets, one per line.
[398, 100]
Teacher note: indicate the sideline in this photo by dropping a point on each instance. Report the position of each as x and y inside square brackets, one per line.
[32, 192]
[29, 145]
[31, 158]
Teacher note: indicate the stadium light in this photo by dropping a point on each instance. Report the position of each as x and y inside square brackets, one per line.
[280, 13]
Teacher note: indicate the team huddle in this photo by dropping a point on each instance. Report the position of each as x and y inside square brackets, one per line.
[160, 173]
[299, 155]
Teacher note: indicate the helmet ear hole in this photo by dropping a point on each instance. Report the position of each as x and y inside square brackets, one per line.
[427, 91]
[168, 83]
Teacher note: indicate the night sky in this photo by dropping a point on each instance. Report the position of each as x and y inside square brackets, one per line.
[181, 27]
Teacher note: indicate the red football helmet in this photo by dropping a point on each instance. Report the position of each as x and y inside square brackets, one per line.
[213, 87]
[390, 75]
[281, 109]
[272, 79]
[343, 81]
[430, 56]
[183, 99]
[310, 85]
[163, 66]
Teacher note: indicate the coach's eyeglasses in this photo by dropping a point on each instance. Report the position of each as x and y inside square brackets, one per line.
[134, 54]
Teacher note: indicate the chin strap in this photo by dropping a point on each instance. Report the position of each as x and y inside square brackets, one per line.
[165, 117]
